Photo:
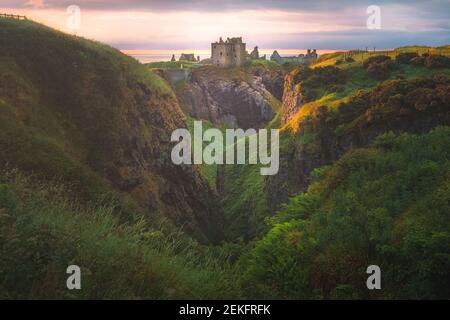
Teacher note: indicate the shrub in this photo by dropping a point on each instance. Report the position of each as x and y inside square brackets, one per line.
[406, 57]
[319, 80]
[42, 231]
[382, 70]
[375, 59]
[418, 61]
[437, 61]
[379, 67]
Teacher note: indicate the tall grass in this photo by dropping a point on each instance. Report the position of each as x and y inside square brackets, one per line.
[43, 231]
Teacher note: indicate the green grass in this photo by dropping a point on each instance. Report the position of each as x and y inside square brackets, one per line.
[271, 65]
[95, 118]
[209, 171]
[43, 231]
[359, 79]
[172, 65]
[50, 106]
[244, 202]
[330, 59]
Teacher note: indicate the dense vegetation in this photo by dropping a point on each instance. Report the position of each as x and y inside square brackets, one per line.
[43, 231]
[314, 83]
[387, 205]
[85, 179]
[381, 204]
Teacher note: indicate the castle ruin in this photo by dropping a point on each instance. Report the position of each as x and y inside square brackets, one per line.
[310, 57]
[229, 53]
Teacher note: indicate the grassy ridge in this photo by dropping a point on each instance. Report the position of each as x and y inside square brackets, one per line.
[329, 59]
[359, 80]
[172, 65]
[86, 113]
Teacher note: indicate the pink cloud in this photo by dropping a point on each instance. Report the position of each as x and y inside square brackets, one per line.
[36, 4]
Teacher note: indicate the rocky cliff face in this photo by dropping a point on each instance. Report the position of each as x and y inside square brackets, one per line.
[292, 98]
[232, 97]
[304, 84]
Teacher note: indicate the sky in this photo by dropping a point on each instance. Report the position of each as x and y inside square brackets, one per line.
[282, 24]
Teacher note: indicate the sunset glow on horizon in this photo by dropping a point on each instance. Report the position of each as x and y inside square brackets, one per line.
[157, 25]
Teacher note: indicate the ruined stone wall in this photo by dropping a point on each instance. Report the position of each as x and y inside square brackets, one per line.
[228, 54]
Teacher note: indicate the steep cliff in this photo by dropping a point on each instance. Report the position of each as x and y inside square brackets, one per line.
[304, 84]
[85, 113]
[245, 97]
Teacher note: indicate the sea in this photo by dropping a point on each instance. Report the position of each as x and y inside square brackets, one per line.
[146, 56]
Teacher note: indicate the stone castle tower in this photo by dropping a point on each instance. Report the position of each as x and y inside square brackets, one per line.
[229, 53]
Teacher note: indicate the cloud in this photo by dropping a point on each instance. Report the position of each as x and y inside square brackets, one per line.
[324, 24]
[36, 4]
[436, 6]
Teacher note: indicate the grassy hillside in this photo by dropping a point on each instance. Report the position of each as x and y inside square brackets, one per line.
[86, 177]
[43, 231]
[358, 79]
[84, 112]
[328, 59]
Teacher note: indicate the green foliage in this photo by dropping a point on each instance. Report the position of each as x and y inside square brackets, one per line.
[436, 61]
[209, 171]
[314, 83]
[244, 202]
[406, 57]
[388, 205]
[379, 67]
[396, 98]
[42, 232]
[51, 103]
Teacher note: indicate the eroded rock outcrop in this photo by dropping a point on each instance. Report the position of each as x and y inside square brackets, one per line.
[235, 98]
[304, 85]
[293, 99]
